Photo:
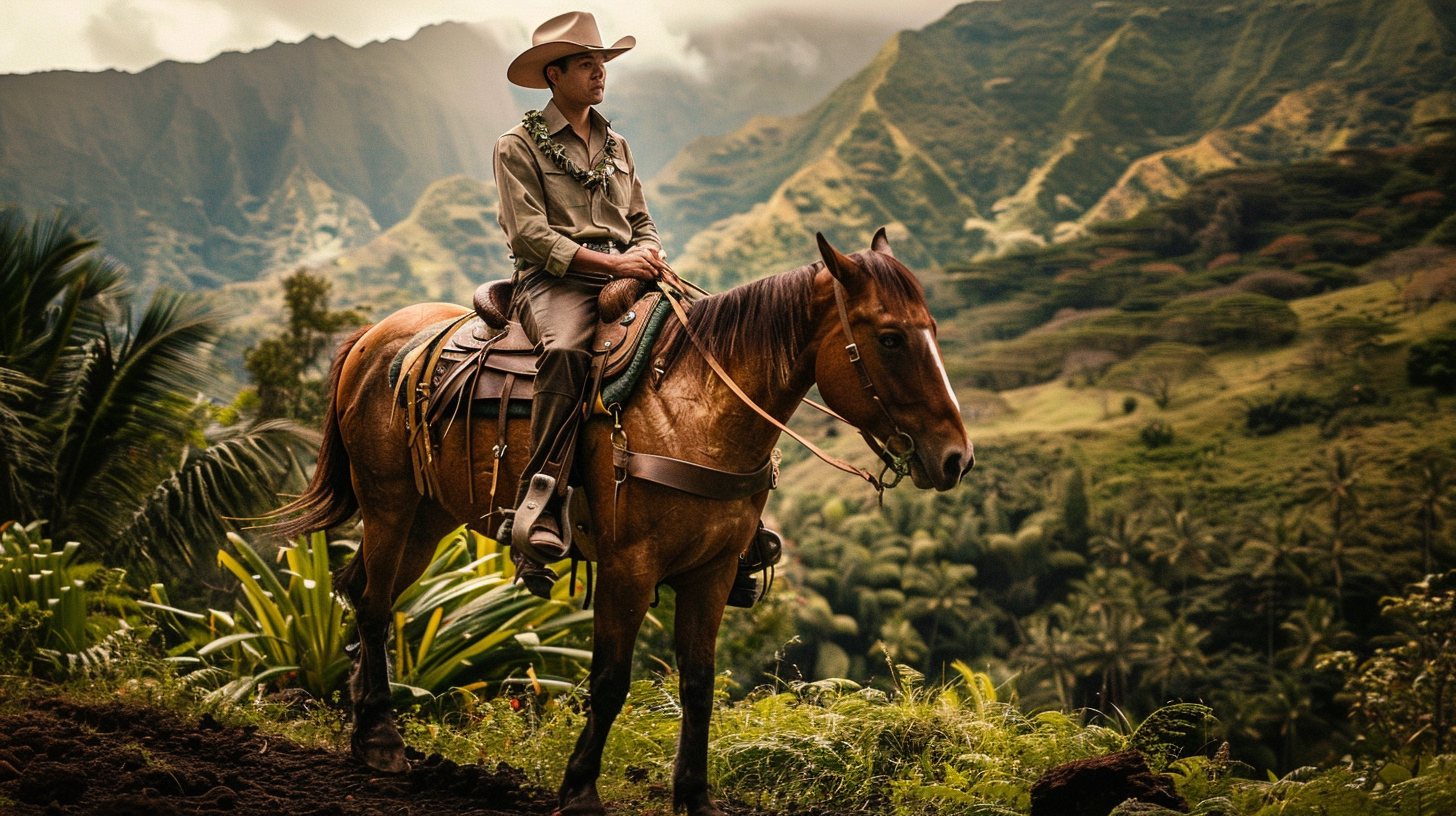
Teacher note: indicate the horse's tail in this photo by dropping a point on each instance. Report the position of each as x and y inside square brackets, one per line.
[329, 499]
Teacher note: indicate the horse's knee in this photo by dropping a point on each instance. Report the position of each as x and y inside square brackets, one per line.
[609, 689]
[696, 687]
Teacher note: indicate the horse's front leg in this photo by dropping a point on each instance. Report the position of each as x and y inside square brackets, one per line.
[620, 607]
[700, 605]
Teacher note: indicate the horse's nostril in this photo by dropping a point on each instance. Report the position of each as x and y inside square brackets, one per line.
[952, 466]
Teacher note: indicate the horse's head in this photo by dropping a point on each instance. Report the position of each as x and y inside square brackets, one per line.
[908, 403]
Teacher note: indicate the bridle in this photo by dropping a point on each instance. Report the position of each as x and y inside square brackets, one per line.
[675, 288]
[899, 463]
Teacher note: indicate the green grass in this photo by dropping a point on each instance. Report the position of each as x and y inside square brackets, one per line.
[916, 751]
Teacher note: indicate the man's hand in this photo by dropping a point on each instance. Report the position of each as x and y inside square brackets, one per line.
[641, 262]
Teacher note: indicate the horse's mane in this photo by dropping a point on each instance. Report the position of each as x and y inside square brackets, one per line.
[767, 320]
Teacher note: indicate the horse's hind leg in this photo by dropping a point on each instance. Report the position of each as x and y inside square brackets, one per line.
[619, 615]
[699, 613]
[388, 534]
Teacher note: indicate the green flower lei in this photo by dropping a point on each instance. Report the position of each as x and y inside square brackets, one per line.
[535, 125]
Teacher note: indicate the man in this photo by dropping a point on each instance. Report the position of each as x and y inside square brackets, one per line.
[573, 213]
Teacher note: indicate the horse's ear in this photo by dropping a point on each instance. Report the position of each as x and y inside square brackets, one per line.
[881, 243]
[841, 267]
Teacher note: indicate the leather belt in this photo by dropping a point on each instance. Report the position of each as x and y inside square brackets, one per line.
[610, 249]
[699, 480]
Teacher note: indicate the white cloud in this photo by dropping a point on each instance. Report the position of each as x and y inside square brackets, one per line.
[123, 35]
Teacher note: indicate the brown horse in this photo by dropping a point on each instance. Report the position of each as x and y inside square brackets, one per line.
[776, 338]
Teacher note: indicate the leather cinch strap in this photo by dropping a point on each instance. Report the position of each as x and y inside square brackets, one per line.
[699, 480]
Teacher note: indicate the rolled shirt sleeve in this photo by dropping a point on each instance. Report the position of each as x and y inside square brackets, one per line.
[522, 212]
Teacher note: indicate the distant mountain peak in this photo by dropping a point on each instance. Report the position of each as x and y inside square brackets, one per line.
[1005, 125]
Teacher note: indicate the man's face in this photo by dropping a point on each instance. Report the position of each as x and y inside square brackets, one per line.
[584, 82]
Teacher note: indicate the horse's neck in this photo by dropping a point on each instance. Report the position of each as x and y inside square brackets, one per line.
[715, 419]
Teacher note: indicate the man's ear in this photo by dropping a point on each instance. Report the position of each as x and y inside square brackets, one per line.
[881, 243]
[844, 269]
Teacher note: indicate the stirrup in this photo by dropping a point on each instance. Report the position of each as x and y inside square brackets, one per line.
[537, 497]
[744, 593]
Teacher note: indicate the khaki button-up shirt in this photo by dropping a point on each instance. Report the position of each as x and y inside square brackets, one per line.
[547, 215]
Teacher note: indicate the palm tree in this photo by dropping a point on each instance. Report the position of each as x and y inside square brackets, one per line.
[1289, 705]
[1313, 631]
[1118, 538]
[1432, 498]
[1335, 486]
[1176, 655]
[1274, 550]
[1113, 650]
[1047, 645]
[1185, 546]
[117, 448]
[941, 592]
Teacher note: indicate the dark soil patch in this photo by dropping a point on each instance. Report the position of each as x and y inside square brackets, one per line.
[61, 757]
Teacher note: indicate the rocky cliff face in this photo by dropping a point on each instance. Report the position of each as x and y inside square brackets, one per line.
[1014, 123]
[204, 174]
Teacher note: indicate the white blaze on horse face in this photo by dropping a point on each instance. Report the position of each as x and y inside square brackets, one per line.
[939, 364]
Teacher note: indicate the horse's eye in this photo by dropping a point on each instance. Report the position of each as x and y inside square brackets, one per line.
[892, 340]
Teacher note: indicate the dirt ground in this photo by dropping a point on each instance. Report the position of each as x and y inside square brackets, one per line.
[120, 760]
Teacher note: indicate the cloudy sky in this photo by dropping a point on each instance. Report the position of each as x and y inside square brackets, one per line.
[39, 35]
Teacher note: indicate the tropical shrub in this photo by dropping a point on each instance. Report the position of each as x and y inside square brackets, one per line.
[1433, 362]
[1285, 410]
[1277, 283]
[1161, 371]
[1406, 692]
[34, 572]
[1156, 434]
[1252, 320]
[462, 625]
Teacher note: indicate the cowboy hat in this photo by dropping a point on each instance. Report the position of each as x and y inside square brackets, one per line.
[574, 32]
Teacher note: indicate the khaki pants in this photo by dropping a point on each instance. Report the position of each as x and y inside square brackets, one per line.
[560, 314]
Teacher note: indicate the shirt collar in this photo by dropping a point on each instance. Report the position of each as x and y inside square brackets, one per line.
[555, 121]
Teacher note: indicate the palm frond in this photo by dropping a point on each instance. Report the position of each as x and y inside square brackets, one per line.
[127, 395]
[24, 463]
[56, 290]
[211, 492]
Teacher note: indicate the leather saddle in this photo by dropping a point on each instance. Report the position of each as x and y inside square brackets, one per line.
[490, 357]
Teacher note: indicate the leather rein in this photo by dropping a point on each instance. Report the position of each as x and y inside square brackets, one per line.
[898, 463]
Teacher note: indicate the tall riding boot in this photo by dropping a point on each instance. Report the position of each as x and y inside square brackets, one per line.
[555, 408]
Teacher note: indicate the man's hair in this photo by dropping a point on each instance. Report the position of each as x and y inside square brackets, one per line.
[563, 65]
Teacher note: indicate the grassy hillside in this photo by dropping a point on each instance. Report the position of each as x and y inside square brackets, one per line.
[1008, 124]
[1210, 440]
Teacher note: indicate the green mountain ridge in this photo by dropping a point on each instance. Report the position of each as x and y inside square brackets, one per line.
[1010, 124]
[200, 174]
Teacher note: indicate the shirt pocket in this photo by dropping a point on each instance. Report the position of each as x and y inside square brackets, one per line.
[619, 184]
[566, 200]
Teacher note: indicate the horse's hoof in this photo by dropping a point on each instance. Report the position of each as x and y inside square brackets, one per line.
[587, 805]
[382, 750]
[385, 759]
